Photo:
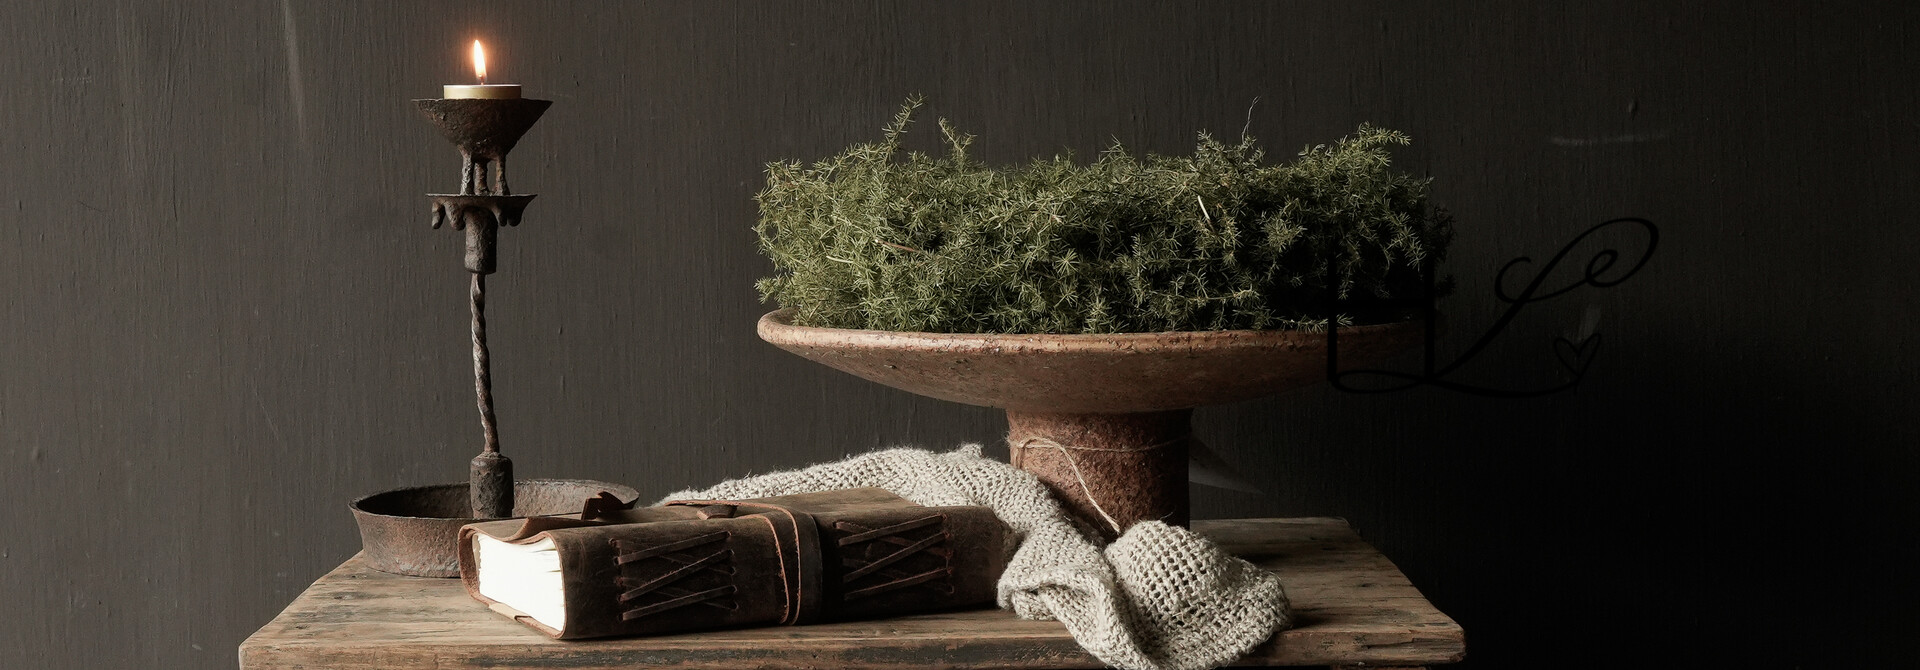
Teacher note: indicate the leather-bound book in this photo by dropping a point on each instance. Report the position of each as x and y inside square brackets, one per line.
[702, 564]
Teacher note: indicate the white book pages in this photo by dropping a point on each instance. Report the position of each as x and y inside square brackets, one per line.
[525, 577]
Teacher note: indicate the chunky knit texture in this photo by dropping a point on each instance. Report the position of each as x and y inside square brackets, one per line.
[1158, 598]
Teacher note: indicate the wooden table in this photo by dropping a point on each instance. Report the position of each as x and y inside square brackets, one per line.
[1351, 606]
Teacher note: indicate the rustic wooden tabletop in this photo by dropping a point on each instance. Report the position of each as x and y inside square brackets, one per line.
[1351, 607]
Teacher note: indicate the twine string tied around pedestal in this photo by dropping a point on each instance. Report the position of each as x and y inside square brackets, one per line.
[1067, 451]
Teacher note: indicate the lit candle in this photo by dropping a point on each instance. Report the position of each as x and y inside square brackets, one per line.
[483, 90]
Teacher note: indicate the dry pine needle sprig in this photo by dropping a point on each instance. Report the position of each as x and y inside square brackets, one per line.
[883, 239]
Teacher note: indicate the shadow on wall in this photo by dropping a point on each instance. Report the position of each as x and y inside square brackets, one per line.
[1686, 495]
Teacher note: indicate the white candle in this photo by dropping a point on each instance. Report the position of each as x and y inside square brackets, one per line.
[482, 90]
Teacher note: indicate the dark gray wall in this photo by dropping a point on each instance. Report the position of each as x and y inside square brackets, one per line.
[223, 314]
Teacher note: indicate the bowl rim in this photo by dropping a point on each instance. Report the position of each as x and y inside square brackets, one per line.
[776, 329]
[358, 508]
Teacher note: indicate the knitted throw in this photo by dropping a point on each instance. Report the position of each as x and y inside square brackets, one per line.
[1158, 598]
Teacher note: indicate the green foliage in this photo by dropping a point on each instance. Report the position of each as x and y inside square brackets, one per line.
[1216, 240]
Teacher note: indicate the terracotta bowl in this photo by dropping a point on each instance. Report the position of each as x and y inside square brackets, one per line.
[1119, 373]
[1103, 419]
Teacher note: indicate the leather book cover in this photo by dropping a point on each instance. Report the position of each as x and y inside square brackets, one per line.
[705, 564]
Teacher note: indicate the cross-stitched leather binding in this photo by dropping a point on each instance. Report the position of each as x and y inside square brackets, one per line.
[701, 564]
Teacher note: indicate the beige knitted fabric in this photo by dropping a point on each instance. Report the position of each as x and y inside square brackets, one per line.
[1158, 598]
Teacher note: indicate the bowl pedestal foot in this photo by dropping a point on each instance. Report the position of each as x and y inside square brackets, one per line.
[1111, 470]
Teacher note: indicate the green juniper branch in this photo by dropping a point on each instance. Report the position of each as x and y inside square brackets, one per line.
[1217, 240]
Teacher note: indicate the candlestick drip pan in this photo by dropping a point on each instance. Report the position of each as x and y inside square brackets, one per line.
[415, 531]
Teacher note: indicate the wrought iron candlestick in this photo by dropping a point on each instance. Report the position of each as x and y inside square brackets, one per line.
[415, 531]
[484, 130]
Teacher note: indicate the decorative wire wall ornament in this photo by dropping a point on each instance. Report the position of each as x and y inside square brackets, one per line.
[1574, 355]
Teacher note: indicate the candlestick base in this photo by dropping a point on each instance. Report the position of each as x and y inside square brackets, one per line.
[415, 531]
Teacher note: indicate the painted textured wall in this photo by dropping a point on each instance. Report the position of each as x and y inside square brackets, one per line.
[222, 314]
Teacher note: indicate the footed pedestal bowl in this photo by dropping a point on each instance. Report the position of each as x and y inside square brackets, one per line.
[1104, 420]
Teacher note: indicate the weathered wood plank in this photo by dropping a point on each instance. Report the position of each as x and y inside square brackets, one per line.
[1352, 605]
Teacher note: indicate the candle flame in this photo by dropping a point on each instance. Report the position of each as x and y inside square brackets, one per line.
[479, 61]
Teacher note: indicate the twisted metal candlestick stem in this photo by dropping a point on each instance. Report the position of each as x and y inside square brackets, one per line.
[491, 493]
[482, 375]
